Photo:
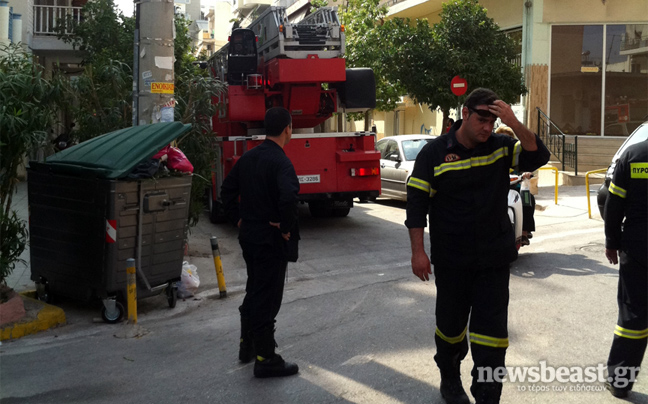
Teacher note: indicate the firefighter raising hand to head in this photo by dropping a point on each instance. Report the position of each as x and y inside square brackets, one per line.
[461, 180]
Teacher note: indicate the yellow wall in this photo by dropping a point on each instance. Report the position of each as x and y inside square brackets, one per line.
[593, 11]
[507, 14]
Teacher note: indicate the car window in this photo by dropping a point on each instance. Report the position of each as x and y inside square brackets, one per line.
[392, 149]
[411, 148]
[381, 146]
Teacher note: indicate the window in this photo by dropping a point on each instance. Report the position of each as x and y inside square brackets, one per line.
[599, 78]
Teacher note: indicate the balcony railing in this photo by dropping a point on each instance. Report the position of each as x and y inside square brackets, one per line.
[634, 43]
[47, 18]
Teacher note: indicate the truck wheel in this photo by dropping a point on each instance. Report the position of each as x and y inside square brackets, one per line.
[172, 294]
[216, 211]
[341, 212]
[318, 209]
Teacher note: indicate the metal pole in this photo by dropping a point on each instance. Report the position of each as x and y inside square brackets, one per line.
[219, 267]
[131, 290]
[155, 74]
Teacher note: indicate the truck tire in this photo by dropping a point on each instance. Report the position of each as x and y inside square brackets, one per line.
[359, 89]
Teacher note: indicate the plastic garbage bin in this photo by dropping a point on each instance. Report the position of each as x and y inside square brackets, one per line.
[87, 218]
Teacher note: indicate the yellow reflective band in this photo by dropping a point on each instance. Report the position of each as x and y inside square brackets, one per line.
[472, 162]
[452, 340]
[517, 149]
[432, 192]
[631, 334]
[488, 341]
[419, 184]
[639, 170]
[617, 190]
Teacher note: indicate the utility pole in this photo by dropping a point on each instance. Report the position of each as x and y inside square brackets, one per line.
[153, 78]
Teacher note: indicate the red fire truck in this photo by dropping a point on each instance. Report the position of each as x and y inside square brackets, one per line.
[300, 67]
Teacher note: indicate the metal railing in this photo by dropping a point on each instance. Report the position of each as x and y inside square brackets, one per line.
[587, 188]
[47, 18]
[556, 142]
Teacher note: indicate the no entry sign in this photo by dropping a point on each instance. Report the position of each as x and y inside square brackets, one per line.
[458, 86]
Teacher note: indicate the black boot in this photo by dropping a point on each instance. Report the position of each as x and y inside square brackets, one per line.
[274, 367]
[269, 364]
[487, 393]
[246, 347]
[452, 391]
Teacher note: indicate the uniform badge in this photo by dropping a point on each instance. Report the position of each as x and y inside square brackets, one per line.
[451, 157]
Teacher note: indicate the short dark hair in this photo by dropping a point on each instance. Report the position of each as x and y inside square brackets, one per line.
[480, 96]
[276, 120]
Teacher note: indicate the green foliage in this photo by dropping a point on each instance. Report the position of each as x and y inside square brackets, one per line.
[366, 48]
[28, 103]
[315, 4]
[467, 43]
[104, 33]
[419, 60]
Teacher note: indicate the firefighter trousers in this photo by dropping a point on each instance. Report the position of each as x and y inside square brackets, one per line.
[631, 333]
[266, 273]
[481, 295]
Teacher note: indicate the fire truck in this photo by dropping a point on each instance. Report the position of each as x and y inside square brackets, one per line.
[274, 62]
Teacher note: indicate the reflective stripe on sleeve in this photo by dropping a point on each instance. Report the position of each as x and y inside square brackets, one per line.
[472, 162]
[617, 190]
[488, 341]
[632, 334]
[419, 184]
[452, 340]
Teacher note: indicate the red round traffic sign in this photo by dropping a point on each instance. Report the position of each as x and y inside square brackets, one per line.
[458, 85]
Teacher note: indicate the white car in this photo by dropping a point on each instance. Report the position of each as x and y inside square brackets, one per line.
[397, 156]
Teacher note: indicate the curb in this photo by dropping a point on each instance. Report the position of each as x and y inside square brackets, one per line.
[43, 317]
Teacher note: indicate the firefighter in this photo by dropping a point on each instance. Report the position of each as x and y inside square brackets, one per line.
[461, 180]
[626, 242]
[266, 215]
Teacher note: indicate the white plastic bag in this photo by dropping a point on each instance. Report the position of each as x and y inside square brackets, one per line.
[189, 280]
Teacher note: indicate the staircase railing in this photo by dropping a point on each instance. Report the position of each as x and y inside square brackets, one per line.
[556, 141]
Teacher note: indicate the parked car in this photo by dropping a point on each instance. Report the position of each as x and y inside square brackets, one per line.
[622, 128]
[397, 156]
[640, 134]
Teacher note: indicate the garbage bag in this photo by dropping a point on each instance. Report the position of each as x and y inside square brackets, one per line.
[178, 161]
[189, 280]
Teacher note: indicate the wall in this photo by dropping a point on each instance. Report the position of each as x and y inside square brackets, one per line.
[591, 11]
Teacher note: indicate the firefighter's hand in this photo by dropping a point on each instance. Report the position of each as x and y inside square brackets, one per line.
[239, 223]
[526, 176]
[612, 255]
[421, 266]
[504, 112]
[286, 236]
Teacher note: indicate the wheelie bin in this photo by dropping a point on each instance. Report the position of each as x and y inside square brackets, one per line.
[87, 217]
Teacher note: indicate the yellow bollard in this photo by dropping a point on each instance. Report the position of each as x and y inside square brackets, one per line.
[131, 291]
[219, 267]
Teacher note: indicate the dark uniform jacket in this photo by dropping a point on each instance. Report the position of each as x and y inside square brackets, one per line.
[266, 182]
[627, 198]
[465, 193]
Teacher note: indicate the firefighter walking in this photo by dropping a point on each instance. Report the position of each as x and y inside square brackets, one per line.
[626, 243]
[461, 180]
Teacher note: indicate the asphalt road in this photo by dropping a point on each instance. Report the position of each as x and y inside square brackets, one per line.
[354, 318]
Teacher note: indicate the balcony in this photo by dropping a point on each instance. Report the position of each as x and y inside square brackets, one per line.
[246, 5]
[46, 19]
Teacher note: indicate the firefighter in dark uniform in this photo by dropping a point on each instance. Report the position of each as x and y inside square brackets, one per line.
[265, 180]
[626, 242]
[461, 180]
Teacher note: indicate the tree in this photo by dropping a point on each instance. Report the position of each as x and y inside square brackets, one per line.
[28, 105]
[366, 47]
[101, 97]
[467, 43]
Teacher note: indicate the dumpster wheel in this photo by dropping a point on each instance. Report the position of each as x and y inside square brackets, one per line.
[172, 295]
[113, 316]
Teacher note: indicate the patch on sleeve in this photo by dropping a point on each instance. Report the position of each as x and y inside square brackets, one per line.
[451, 157]
[639, 170]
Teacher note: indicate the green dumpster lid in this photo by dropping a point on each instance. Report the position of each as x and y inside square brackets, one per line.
[115, 154]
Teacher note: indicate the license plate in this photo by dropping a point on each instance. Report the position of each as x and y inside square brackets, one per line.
[309, 179]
